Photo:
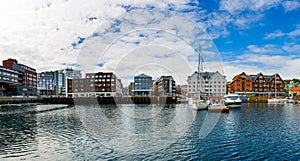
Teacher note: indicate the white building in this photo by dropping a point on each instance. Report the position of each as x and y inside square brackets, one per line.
[210, 84]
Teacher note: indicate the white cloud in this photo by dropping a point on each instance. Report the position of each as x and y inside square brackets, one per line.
[292, 48]
[266, 49]
[156, 42]
[290, 5]
[286, 66]
[294, 33]
[278, 33]
[45, 30]
[237, 6]
[245, 21]
[275, 34]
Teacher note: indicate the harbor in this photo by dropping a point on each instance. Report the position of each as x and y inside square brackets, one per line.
[254, 132]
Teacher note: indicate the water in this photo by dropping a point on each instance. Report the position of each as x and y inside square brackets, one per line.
[128, 132]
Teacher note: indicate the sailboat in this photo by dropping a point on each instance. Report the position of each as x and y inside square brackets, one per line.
[275, 100]
[198, 103]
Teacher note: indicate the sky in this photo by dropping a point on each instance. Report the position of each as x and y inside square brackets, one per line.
[154, 37]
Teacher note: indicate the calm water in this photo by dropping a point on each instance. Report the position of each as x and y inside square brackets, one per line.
[129, 132]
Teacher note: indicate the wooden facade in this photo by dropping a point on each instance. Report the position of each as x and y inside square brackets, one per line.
[241, 82]
[259, 83]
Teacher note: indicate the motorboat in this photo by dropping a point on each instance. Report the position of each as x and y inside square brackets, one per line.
[232, 101]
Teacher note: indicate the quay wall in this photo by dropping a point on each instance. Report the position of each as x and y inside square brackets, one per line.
[19, 100]
[114, 100]
[111, 100]
[257, 99]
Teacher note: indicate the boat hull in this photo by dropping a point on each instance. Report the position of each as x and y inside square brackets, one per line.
[232, 101]
[222, 109]
[276, 101]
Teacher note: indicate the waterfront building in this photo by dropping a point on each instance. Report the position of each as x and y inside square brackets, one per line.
[60, 80]
[71, 73]
[28, 75]
[164, 86]
[142, 85]
[241, 83]
[178, 90]
[46, 83]
[210, 84]
[294, 91]
[104, 84]
[9, 80]
[183, 91]
[260, 84]
[130, 88]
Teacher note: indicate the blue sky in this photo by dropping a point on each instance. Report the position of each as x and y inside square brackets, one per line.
[249, 36]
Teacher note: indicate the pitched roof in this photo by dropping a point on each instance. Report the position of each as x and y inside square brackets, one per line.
[143, 75]
[295, 89]
[207, 74]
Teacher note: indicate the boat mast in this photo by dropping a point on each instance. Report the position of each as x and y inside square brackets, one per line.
[275, 85]
[200, 69]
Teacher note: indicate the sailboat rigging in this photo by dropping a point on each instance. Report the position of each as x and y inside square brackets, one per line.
[198, 103]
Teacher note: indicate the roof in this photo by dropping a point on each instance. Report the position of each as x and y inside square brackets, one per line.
[207, 74]
[295, 89]
[143, 75]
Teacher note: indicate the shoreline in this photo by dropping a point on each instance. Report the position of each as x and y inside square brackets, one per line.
[13, 101]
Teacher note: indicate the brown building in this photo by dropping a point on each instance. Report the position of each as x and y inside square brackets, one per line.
[258, 84]
[28, 77]
[164, 86]
[95, 84]
[9, 63]
[241, 83]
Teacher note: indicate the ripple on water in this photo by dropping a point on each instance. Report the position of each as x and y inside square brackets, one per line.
[256, 132]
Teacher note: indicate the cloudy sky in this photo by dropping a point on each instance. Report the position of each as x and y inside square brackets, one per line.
[154, 37]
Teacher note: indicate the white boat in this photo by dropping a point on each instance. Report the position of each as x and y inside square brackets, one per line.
[232, 101]
[273, 100]
[276, 100]
[290, 100]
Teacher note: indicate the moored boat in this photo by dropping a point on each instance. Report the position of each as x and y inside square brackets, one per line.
[218, 107]
[199, 103]
[232, 101]
[276, 101]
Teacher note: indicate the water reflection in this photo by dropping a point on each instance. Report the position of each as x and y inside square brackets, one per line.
[109, 132]
[136, 128]
[17, 133]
